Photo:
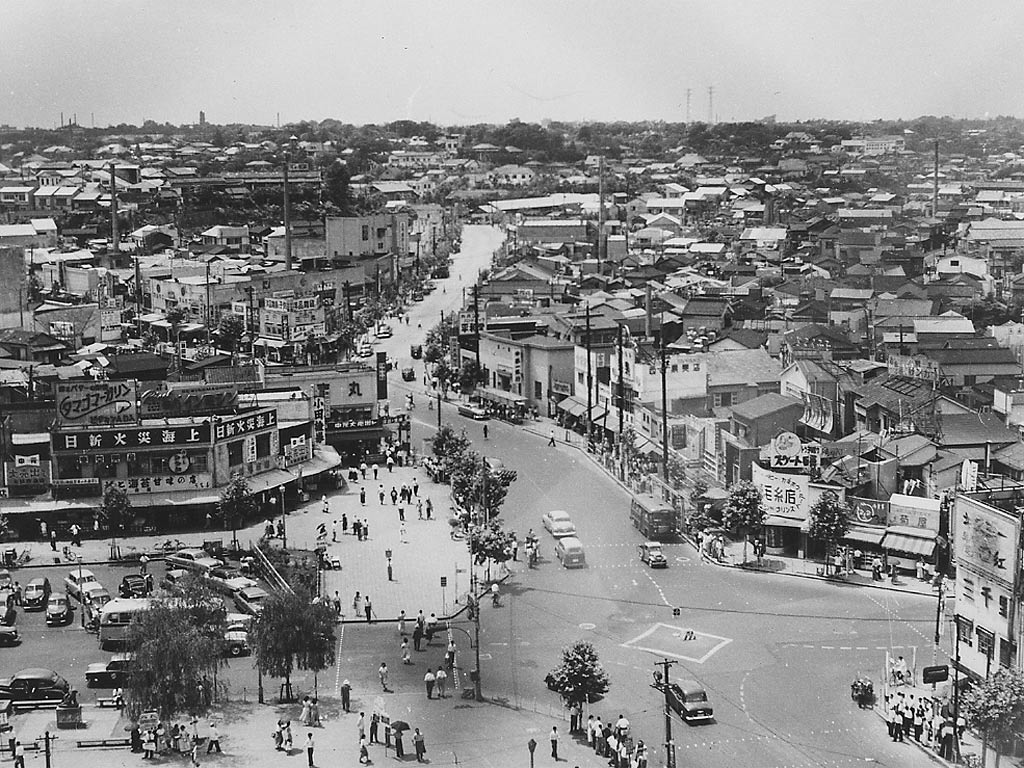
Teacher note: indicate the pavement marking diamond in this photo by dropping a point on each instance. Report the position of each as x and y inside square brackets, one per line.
[678, 642]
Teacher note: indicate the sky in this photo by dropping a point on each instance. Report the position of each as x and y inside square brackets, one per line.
[457, 62]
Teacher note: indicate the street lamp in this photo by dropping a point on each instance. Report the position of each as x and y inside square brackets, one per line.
[284, 518]
[81, 592]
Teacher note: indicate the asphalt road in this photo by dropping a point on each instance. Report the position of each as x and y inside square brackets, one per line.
[776, 654]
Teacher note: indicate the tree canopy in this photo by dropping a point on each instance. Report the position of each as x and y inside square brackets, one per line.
[996, 706]
[580, 678]
[490, 542]
[116, 509]
[293, 632]
[828, 518]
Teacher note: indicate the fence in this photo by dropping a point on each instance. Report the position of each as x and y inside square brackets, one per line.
[269, 572]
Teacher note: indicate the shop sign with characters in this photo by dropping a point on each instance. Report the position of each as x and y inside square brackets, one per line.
[783, 495]
[132, 437]
[987, 540]
[143, 485]
[787, 452]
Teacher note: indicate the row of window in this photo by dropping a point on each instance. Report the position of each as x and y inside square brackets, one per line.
[141, 465]
[987, 641]
[985, 594]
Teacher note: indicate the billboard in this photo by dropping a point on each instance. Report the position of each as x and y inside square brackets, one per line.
[868, 511]
[382, 375]
[985, 540]
[85, 403]
[914, 512]
[783, 495]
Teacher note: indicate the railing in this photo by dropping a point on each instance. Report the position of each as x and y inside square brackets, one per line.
[270, 573]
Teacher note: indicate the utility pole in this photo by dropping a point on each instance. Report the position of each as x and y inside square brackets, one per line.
[600, 213]
[115, 236]
[590, 379]
[622, 386]
[664, 407]
[689, 92]
[670, 747]
[476, 322]
[287, 216]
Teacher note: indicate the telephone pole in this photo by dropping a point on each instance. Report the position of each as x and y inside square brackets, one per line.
[590, 379]
[670, 747]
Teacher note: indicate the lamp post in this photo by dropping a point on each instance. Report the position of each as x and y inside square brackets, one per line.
[284, 519]
[661, 681]
[81, 592]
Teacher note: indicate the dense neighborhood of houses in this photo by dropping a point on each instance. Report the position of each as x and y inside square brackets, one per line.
[862, 295]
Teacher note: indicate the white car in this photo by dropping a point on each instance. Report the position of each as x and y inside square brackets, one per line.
[192, 560]
[251, 599]
[384, 332]
[558, 523]
[76, 580]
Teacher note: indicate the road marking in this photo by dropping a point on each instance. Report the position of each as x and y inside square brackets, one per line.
[587, 626]
[701, 640]
[337, 655]
[657, 586]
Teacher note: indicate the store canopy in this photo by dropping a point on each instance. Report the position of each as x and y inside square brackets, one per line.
[912, 541]
[865, 535]
[779, 521]
[500, 396]
[572, 406]
[645, 445]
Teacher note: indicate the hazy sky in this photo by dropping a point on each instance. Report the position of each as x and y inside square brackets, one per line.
[464, 61]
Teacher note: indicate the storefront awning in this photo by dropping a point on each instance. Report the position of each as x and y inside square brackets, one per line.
[500, 396]
[645, 445]
[572, 406]
[920, 544]
[778, 521]
[865, 535]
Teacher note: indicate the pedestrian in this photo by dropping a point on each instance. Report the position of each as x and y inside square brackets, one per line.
[304, 716]
[357, 529]
[76, 535]
[441, 682]
[429, 508]
[362, 495]
[19, 754]
[401, 622]
[394, 496]
[420, 744]
[314, 713]
[428, 682]
[391, 463]
[402, 532]
[344, 524]
[640, 756]
[326, 506]
[361, 725]
[381, 494]
[895, 723]
[554, 742]
[374, 726]
[406, 658]
[193, 752]
[17, 593]
[376, 469]
[309, 748]
[417, 636]
[382, 673]
[334, 530]
[918, 723]
[365, 528]
[551, 439]
[357, 603]
[53, 540]
[485, 431]
[346, 694]
[362, 469]
[368, 609]
[416, 488]
[574, 717]
[336, 602]
[401, 514]
[590, 731]
[364, 753]
[214, 739]
[399, 749]
[148, 745]
[419, 509]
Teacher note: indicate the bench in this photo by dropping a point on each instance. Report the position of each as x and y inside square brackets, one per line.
[43, 704]
[110, 701]
[86, 743]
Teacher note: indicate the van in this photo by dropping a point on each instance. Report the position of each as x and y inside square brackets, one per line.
[569, 551]
[37, 592]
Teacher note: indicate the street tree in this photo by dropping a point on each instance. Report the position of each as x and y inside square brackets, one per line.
[470, 375]
[236, 505]
[116, 509]
[995, 708]
[744, 512]
[828, 520]
[479, 488]
[580, 678]
[447, 443]
[177, 648]
[490, 541]
[291, 631]
[230, 331]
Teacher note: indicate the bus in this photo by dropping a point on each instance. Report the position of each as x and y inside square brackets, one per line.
[655, 519]
[115, 617]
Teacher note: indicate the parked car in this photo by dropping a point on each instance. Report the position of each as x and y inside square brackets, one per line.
[383, 331]
[689, 700]
[558, 523]
[109, 674]
[34, 684]
[8, 615]
[236, 640]
[251, 599]
[95, 595]
[9, 636]
[135, 585]
[416, 351]
[408, 374]
[365, 350]
[651, 553]
[473, 412]
[75, 580]
[569, 551]
[192, 560]
[6, 581]
[58, 610]
[36, 593]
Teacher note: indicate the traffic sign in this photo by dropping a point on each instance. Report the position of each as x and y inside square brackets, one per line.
[149, 720]
[939, 674]
[444, 582]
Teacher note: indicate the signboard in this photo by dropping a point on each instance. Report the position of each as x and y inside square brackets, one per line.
[296, 452]
[869, 511]
[84, 403]
[139, 486]
[320, 419]
[913, 511]
[937, 674]
[913, 367]
[28, 474]
[985, 540]
[249, 449]
[969, 476]
[236, 426]
[784, 495]
[787, 452]
[382, 375]
[186, 403]
[132, 437]
[357, 424]
[76, 481]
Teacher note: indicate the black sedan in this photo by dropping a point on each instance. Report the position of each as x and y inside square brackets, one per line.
[689, 700]
[108, 674]
[9, 636]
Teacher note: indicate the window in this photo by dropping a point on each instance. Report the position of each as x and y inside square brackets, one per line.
[381, 233]
[684, 367]
[366, 232]
[579, 377]
[723, 399]
[235, 453]
[966, 630]
[696, 367]
[968, 588]
[262, 445]
[537, 390]
[1007, 652]
[675, 368]
[1004, 605]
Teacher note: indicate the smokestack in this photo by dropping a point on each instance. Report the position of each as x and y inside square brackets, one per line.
[115, 237]
[647, 311]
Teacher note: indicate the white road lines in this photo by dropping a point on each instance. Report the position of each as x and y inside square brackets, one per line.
[657, 586]
[338, 664]
[814, 647]
[743, 695]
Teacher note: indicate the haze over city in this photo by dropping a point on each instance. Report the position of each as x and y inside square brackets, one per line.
[465, 62]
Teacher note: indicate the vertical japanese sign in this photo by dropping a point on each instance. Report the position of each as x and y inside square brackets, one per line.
[382, 375]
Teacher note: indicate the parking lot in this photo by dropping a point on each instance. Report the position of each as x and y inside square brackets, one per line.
[68, 650]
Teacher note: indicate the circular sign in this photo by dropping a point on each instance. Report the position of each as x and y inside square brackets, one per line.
[787, 444]
[586, 626]
[179, 463]
[864, 513]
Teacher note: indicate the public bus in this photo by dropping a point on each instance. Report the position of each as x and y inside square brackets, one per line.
[115, 617]
[655, 519]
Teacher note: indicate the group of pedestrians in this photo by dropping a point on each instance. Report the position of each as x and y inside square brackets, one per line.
[394, 737]
[909, 717]
[609, 740]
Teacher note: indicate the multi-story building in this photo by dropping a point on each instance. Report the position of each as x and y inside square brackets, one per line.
[289, 318]
[366, 236]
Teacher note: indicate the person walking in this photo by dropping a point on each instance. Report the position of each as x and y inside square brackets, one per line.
[364, 753]
[441, 681]
[402, 533]
[53, 539]
[334, 530]
[428, 682]
[368, 609]
[376, 469]
[406, 658]
[394, 496]
[420, 745]
[382, 673]
[419, 509]
[401, 622]
[357, 529]
[381, 494]
[551, 439]
[554, 742]
[362, 496]
[391, 463]
[309, 749]
[417, 636]
[326, 508]
[401, 514]
[416, 488]
[365, 528]
[399, 749]
[344, 524]
[214, 739]
[357, 603]
[361, 726]
[346, 695]
[19, 754]
[374, 728]
[362, 469]
[485, 431]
